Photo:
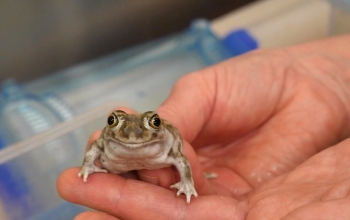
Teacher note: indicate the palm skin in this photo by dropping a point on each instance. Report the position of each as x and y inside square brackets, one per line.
[260, 121]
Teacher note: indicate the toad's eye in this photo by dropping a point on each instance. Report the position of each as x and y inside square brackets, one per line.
[155, 122]
[112, 121]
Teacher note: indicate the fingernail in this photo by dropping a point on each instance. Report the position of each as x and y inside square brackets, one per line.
[150, 179]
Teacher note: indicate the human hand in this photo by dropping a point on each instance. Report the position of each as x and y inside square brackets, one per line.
[252, 120]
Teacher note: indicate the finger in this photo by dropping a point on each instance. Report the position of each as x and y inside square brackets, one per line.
[337, 209]
[94, 216]
[189, 105]
[132, 199]
[223, 95]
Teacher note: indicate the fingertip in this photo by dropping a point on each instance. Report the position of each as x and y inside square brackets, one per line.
[66, 179]
[75, 190]
[95, 135]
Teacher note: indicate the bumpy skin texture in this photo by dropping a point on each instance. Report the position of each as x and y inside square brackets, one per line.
[136, 142]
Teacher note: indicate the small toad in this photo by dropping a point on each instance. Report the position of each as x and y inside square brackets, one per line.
[136, 142]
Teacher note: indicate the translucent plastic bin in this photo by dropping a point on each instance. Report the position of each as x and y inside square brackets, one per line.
[29, 169]
[44, 125]
[140, 77]
[23, 114]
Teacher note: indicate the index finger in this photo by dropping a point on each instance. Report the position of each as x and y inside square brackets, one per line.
[132, 199]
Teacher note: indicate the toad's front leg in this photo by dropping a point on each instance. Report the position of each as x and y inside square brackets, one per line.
[91, 155]
[186, 184]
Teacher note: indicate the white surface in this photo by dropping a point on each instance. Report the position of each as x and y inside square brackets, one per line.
[305, 22]
[277, 23]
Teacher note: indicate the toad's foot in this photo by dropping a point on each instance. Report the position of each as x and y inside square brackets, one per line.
[186, 188]
[86, 170]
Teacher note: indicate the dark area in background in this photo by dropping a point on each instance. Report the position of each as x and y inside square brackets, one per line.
[39, 37]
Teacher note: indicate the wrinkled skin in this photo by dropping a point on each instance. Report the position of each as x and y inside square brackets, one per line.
[273, 124]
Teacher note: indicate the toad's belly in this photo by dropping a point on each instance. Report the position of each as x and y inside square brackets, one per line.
[124, 165]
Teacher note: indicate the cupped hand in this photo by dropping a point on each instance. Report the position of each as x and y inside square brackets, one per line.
[257, 121]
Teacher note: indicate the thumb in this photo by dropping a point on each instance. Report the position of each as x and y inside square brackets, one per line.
[190, 103]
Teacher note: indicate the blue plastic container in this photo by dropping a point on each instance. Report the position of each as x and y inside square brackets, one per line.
[26, 181]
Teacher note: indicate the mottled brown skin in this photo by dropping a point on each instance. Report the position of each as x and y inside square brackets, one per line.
[136, 142]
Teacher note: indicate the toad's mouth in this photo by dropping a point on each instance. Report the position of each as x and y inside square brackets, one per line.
[138, 144]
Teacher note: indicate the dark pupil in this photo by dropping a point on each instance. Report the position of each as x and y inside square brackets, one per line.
[156, 122]
[110, 120]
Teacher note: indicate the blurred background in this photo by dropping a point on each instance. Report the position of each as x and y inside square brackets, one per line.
[39, 37]
[64, 65]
